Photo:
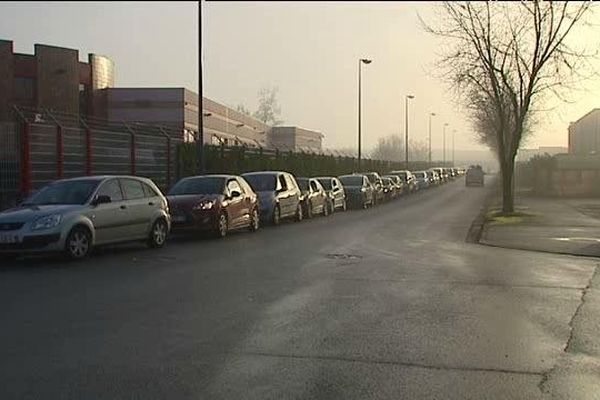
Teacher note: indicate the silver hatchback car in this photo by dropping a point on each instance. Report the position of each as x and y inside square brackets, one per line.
[74, 215]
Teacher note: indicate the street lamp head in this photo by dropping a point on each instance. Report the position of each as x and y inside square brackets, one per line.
[366, 60]
[433, 114]
[410, 96]
[446, 124]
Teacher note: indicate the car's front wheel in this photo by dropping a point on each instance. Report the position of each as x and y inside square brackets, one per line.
[276, 219]
[254, 221]
[79, 243]
[299, 214]
[158, 234]
[326, 209]
[344, 205]
[309, 213]
[222, 228]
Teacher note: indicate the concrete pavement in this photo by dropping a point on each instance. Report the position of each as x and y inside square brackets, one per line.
[386, 303]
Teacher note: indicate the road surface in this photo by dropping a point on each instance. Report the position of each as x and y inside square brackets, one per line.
[387, 303]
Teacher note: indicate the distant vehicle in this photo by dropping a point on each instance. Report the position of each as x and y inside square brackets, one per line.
[398, 184]
[434, 179]
[314, 198]
[375, 180]
[72, 216]
[278, 195]
[389, 189]
[359, 191]
[215, 203]
[474, 176]
[422, 179]
[335, 190]
[408, 179]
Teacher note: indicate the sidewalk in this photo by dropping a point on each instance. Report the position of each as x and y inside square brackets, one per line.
[570, 226]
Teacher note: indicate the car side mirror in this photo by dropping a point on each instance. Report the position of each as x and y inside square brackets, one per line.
[235, 194]
[101, 199]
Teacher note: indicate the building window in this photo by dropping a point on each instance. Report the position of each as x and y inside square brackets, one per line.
[24, 88]
[83, 104]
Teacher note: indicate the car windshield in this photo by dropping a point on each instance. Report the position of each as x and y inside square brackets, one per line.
[326, 183]
[262, 182]
[351, 180]
[302, 184]
[64, 192]
[199, 185]
[420, 174]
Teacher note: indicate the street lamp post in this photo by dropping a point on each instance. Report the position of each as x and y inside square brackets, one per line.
[408, 97]
[453, 132]
[360, 62]
[430, 115]
[444, 143]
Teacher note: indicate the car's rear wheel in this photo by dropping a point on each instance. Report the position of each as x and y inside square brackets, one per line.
[299, 213]
[276, 219]
[222, 228]
[254, 221]
[78, 244]
[158, 234]
[309, 213]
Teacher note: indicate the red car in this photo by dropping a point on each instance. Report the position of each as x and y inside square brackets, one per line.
[215, 203]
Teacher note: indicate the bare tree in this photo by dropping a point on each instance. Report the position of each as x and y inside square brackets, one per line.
[268, 108]
[243, 110]
[502, 58]
[391, 148]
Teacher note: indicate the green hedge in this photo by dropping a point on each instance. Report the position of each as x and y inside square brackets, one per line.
[237, 160]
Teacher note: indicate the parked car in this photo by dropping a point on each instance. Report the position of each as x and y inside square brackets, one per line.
[422, 180]
[440, 173]
[408, 179]
[278, 195]
[314, 198]
[474, 176]
[334, 189]
[72, 216]
[359, 190]
[215, 203]
[375, 180]
[389, 189]
[434, 178]
[398, 184]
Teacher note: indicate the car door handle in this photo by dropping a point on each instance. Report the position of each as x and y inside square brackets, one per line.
[151, 203]
[123, 207]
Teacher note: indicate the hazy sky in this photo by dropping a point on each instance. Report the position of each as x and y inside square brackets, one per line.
[151, 43]
[310, 50]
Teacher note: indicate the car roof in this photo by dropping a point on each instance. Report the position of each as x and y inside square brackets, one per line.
[211, 176]
[265, 173]
[101, 178]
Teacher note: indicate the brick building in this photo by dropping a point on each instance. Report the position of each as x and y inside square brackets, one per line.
[53, 78]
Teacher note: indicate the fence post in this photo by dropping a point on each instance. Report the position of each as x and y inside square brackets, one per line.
[168, 156]
[131, 148]
[88, 147]
[60, 145]
[26, 159]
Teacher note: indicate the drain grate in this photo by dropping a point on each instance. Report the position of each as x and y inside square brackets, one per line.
[340, 256]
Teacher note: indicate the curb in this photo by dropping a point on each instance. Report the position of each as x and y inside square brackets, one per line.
[478, 225]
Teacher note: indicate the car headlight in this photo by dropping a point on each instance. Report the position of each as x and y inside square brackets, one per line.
[363, 190]
[205, 205]
[46, 222]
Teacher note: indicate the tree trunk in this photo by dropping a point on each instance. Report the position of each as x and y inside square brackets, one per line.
[508, 200]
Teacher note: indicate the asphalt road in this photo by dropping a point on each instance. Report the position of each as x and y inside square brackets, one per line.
[387, 303]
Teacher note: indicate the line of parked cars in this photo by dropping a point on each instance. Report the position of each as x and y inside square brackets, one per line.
[72, 216]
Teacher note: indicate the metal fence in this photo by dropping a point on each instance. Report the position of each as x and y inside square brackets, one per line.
[41, 146]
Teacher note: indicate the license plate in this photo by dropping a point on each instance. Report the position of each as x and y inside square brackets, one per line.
[8, 239]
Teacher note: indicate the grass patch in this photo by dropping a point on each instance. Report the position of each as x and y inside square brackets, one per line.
[497, 217]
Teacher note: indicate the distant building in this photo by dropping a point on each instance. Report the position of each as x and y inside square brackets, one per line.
[525, 154]
[53, 78]
[295, 139]
[224, 125]
[584, 134]
[172, 107]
